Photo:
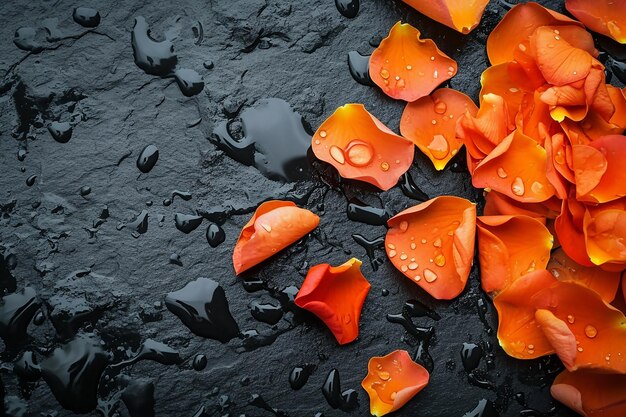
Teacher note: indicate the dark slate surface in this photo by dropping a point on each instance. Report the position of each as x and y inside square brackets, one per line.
[102, 286]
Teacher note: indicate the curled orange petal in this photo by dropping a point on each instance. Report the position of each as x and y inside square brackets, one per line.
[569, 230]
[392, 380]
[432, 244]
[605, 17]
[335, 294]
[516, 168]
[599, 174]
[497, 80]
[499, 204]
[509, 247]
[406, 67]
[591, 394]
[430, 122]
[605, 234]
[274, 226]
[462, 16]
[618, 98]
[360, 147]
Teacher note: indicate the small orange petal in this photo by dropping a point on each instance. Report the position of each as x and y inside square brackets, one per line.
[605, 17]
[605, 234]
[533, 117]
[510, 247]
[499, 204]
[569, 229]
[406, 67]
[392, 380]
[360, 147]
[335, 294]
[433, 244]
[274, 226]
[430, 123]
[462, 16]
[591, 394]
[598, 168]
[559, 335]
[567, 270]
[589, 167]
[504, 171]
[592, 127]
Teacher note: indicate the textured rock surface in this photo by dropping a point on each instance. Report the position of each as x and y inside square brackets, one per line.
[63, 235]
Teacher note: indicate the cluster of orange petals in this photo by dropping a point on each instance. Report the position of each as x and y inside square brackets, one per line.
[605, 17]
[462, 16]
[392, 380]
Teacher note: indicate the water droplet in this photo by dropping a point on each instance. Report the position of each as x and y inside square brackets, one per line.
[502, 173]
[440, 107]
[30, 181]
[393, 395]
[436, 74]
[413, 266]
[404, 225]
[267, 227]
[437, 243]
[570, 319]
[147, 158]
[348, 8]
[384, 375]
[432, 58]
[384, 73]
[536, 187]
[60, 131]
[429, 275]
[440, 260]
[392, 253]
[580, 349]
[403, 256]
[337, 154]
[359, 153]
[86, 17]
[591, 331]
[323, 133]
[518, 186]
[199, 362]
[409, 67]
[413, 245]
[424, 241]
[384, 166]
[400, 83]
[439, 147]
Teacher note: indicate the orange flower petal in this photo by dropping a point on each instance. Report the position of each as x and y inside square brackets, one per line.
[504, 171]
[392, 380]
[598, 169]
[604, 236]
[618, 98]
[519, 333]
[360, 147]
[406, 67]
[607, 18]
[591, 394]
[509, 247]
[430, 123]
[567, 270]
[517, 25]
[559, 335]
[497, 80]
[534, 117]
[274, 226]
[462, 16]
[569, 230]
[335, 294]
[499, 204]
[432, 243]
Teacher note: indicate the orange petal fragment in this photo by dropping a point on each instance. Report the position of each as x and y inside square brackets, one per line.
[605, 17]
[392, 380]
[360, 147]
[598, 169]
[510, 247]
[430, 122]
[591, 394]
[605, 236]
[497, 81]
[406, 67]
[569, 230]
[499, 204]
[274, 226]
[618, 98]
[517, 168]
[335, 294]
[462, 16]
[432, 244]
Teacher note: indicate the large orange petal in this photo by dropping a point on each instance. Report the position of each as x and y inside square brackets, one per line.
[392, 380]
[510, 247]
[534, 117]
[519, 333]
[406, 67]
[618, 98]
[516, 168]
[565, 269]
[605, 17]
[605, 235]
[591, 394]
[432, 243]
[569, 230]
[360, 147]
[430, 123]
[497, 80]
[274, 226]
[517, 25]
[589, 129]
[336, 294]
[460, 15]
[598, 168]
[499, 204]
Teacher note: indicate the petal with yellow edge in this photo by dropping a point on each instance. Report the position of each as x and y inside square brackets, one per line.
[565, 269]
[430, 122]
[497, 80]
[432, 244]
[406, 67]
[274, 226]
[335, 294]
[360, 147]
[598, 169]
[462, 16]
[510, 247]
[392, 380]
[605, 17]
[519, 333]
[605, 233]
[590, 393]
[516, 168]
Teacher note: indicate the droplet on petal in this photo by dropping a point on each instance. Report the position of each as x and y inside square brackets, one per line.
[429, 275]
[517, 187]
[591, 331]
[359, 153]
[337, 154]
[439, 147]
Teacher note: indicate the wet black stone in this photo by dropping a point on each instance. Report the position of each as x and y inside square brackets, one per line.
[86, 16]
[147, 158]
[199, 362]
[16, 312]
[60, 131]
[215, 235]
[139, 399]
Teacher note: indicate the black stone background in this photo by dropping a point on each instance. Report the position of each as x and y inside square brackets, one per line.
[112, 285]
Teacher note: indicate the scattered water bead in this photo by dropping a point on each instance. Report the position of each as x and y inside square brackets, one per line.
[187, 223]
[267, 313]
[501, 173]
[200, 362]
[518, 186]
[299, 376]
[16, 312]
[60, 131]
[147, 158]
[25, 39]
[590, 331]
[348, 8]
[155, 58]
[439, 147]
[30, 181]
[337, 154]
[189, 81]
[429, 275]
[215, 235]
[359, 153]
[359, 67]
[85, 191]
[86, 17]
[471, 354]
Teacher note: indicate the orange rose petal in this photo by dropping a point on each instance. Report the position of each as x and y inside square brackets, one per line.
[598, 168]
[565, 269]
[534, 117]
[517, 25]
[392, 380]
[430, 123]
[558, 148]
[519, 333]
[335, 294]
[406, 67]
[360, 147]
[274, 226]
[589, 167]
[607, 18]
[618, 98]
[509, 247]
[591, 394]
[462, 16]
[565, 101]
[497, 80]
[570, 232]
[499, 204]
[504, 172]
[559, 335]
[604, 236]
[432, 244]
